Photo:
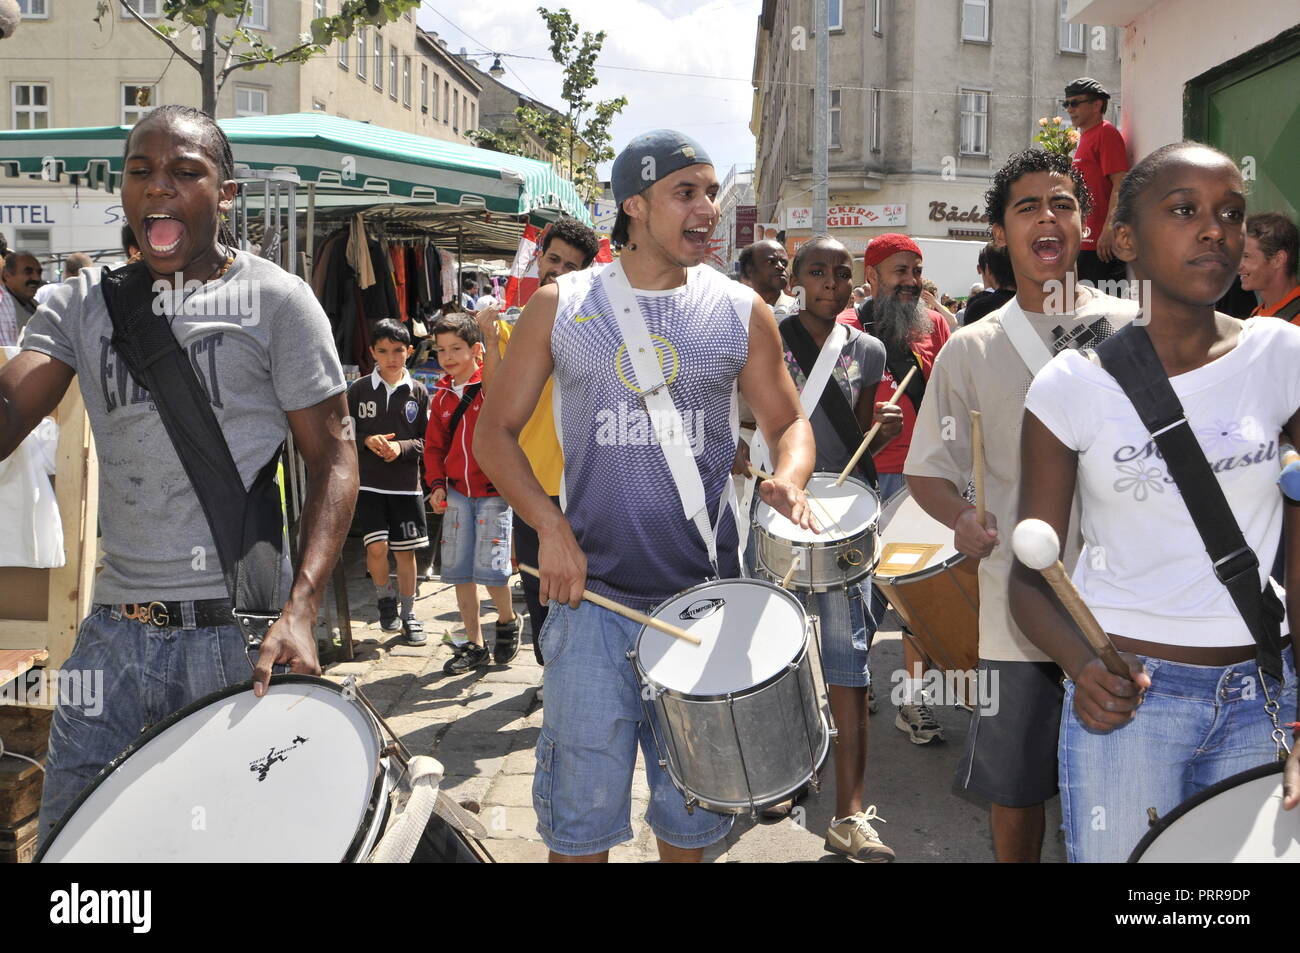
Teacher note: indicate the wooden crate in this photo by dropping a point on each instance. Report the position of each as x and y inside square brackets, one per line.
[18, 843]
[25, 730]
[21, 783]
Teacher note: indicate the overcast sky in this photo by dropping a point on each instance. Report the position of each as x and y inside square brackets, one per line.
[710, 39]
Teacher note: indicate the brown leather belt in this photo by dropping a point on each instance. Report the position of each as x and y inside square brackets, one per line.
[171, 615]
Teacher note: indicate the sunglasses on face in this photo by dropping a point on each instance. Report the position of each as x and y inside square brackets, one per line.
[1071, 103]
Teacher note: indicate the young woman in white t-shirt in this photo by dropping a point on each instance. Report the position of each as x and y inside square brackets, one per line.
[1193, 713]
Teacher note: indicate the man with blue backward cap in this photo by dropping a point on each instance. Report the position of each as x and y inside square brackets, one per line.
[647, 511]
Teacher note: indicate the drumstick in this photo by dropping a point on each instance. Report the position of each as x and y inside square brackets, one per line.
[977, 461]
[795, 564]
[1037, 546]
[625, 612]
[862, 447]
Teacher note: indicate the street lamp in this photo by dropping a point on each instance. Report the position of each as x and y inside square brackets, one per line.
[497, 70]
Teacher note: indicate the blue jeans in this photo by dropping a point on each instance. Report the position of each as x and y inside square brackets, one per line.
[476, 540]
[141, 674]
[1198, 725]
[592, 722]
[846, 630]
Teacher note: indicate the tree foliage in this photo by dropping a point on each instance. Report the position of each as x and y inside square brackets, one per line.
[243, 49]
[588, 120]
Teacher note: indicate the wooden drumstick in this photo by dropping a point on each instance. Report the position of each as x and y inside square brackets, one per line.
[1036, 545]
[795, 564]
[862, 447]
[977, 461]
[627, 613]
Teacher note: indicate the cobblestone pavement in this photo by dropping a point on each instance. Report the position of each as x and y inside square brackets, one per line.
[483, 727]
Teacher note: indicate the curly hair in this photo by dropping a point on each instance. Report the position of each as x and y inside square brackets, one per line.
[573, 232]
[1025, 163]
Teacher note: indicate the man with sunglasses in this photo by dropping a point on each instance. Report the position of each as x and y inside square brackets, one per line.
[1102, 158]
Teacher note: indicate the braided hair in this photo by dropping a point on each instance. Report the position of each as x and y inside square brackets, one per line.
[215, 143]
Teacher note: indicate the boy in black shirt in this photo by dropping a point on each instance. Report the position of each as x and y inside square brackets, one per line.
[391, 411]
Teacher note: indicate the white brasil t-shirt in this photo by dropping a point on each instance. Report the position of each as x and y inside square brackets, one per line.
[1144, 570]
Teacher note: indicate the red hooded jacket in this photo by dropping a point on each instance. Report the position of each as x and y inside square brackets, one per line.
[449, 457]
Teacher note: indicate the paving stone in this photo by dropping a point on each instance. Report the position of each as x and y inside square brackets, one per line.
[518, 851]
[520, 762]
[509, 822]
[497, 695]
[404, 663]
[511, 674]
[349, 668]
[511, 790]
[413, 651]
[525, 739]
[463, 788]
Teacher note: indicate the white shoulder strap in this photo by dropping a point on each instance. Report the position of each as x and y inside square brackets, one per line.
[1024, 338]
[812, 391]
[665, 419]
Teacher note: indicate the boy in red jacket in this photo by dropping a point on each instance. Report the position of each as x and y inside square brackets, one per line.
[476, 520]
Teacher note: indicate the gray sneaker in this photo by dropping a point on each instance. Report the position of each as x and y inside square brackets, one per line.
[917, 722]
[389, 620]
[413, 630]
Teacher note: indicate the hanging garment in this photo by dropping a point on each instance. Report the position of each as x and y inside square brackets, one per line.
[33, 533]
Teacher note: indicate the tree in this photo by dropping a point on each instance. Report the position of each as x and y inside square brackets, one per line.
[576, 51]
[502, 140]
[241, 49]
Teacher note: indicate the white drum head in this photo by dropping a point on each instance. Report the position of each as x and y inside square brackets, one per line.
[910, 538]
[1239, 820]
[287, 777]
[854, 506]
[748, 630]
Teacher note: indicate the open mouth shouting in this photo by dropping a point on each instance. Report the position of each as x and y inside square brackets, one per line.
[1048, 249]
[163, 233]
[698, 237]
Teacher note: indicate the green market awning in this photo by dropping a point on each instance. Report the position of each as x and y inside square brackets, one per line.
[342, 156]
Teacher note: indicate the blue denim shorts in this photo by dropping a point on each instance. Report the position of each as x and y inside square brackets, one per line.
[137, 675]
[846, 629]
[1198, 725]
[476, 540]
[592, 722]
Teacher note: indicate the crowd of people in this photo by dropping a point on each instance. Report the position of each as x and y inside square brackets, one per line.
[507, 449]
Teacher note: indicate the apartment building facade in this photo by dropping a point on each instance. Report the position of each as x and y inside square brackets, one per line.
[927, 99]
[70, 66]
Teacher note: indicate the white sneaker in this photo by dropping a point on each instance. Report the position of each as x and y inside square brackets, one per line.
[855, 837]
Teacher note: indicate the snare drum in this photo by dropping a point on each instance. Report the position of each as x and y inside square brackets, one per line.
[844, 552]
[298, 775]
[933, 588]
[740, 716]
[1239, 820]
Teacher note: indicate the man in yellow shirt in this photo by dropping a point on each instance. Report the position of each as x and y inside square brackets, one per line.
[567, 245]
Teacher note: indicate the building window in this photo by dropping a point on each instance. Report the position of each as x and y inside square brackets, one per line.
[424, 87]
[974, 122]
[392, 73]
[875, 120]
[362, 53]
[1071, 33]
[317, 106]
[975, 20]
[34, 241]
[877, 17]
[343, 54]
[406, 81]
[34, 9]
[250, 101]
[446, 101]
[137, 101]
[255, 18]
[833, 137]
[379, 61]
[473, 115]
[455, 112]
[835, 16]
[30, 105]
[317, 9]
[146, 8]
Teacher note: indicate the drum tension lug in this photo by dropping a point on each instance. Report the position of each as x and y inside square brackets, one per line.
[833, 732]
[1152, 817]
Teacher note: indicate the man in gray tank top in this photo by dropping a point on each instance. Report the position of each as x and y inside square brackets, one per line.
[623, 532]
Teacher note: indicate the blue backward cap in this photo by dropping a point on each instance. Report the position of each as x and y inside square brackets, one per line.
[650, 157]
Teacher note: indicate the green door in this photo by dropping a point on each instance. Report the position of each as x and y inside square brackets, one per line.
[1250, 108]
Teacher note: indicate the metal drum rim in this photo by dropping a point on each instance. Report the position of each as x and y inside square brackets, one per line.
[1196, 800]
[872, 525]
[199, 704]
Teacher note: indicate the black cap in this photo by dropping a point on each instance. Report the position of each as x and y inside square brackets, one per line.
[1088, 86]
